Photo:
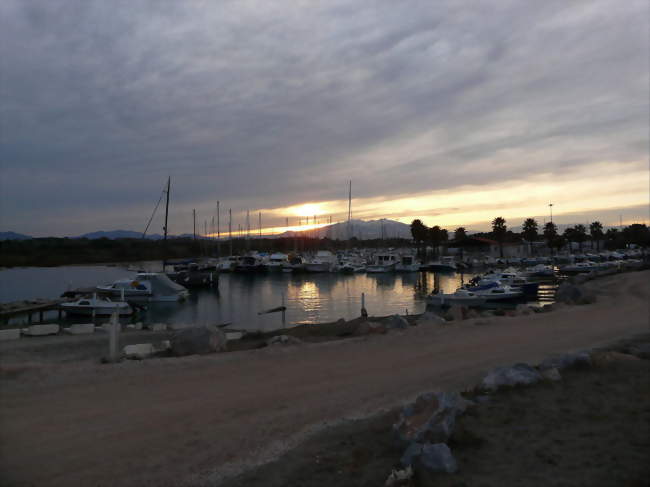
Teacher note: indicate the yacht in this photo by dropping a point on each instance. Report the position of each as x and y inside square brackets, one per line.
[461, 297]
[151, 287]
[323, 261]
[96, 306]
[276, 262]
[250, 263]
[496, 291]
[383, 263]
[294, 263]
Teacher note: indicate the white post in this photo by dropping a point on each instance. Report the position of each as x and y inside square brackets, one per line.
[114, 337]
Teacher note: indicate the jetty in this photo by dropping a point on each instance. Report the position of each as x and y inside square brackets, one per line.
[29, 308]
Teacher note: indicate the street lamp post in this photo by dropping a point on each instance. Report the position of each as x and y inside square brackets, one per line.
[550, 205]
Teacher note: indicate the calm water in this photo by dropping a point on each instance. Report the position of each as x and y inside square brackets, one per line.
[310, 298]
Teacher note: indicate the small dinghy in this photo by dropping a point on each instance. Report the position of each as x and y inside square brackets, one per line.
[97, 306]
[461, 297]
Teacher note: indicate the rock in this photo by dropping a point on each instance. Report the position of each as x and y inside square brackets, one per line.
[139, 350]
[362, 328]
[397, 321]
[341, 322]
[158, 327]
[602, 359]
[399, 477]
[566, 361]
[516, 375]
[523, 309]
[569, 293]
[138, 325]
[41, 330]
[80, 329]
[10, 334]
[283, 340]
[413, 451]
[428, 318]
[436, 458]
[552, 375]
[198, 340]
[431, 418]
[456, 313]
[471, 314]
[641, 350]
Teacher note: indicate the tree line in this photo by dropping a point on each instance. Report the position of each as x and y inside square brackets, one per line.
[611, 239]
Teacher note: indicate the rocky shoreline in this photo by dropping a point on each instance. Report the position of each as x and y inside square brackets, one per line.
[580, 418]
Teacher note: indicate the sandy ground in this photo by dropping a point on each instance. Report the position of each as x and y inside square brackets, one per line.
[197, 419]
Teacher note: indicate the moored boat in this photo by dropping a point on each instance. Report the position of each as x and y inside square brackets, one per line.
[96, 306]
[462, 297]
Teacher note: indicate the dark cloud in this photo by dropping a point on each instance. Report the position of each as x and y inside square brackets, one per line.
[261, 105]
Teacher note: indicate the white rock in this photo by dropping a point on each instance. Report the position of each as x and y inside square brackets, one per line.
[139, 350]
[11, 334]
[41, 330]
[518, 374]
[80, 329]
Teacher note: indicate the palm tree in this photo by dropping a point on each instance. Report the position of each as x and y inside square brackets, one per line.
[529, 231]
[596, 232]
[580, 235]
[460, 234]
[419, 231]
[436, 237]
[499, 230]
[550, 234]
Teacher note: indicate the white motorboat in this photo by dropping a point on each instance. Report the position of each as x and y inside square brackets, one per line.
[162, 288]
[250, 263]
[323, 261]
[276, 262]
[461, 297]
[127, 287]
[383, 263]
[228, 264]
[96, 306]
[498, 292]
[294, 264]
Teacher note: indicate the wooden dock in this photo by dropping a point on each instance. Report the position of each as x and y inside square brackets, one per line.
[29, 308]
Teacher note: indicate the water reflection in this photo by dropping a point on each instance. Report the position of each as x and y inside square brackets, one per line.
[309, 298]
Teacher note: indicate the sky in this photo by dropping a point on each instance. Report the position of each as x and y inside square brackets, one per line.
[453, 112]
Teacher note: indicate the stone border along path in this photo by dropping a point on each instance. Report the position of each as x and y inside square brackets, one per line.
[426, 425]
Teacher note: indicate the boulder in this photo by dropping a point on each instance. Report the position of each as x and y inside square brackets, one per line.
[376, 328]
[566, 361]
[602, 359]
[569, 293]
[198, 340]
[397, 321]
[139, 351]
[515, 375]
[41, 330]
[80, 329]
[552, 375]
[283, 340]
[399, 477]
[431, 418]
[413, 451]
[641, 350]
[471, 314]
[456, 313]
[362, 328]
[436, 458]
[523, 309]
[428, 318]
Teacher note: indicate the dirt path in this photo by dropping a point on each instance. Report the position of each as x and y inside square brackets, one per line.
[193, 420]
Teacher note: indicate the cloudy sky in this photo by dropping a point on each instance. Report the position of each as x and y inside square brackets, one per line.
[450, 111]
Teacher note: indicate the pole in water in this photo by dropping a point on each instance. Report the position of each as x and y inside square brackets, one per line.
[284, 311]
[364, 312]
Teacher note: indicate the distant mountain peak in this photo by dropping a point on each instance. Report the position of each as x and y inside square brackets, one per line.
[14, 236]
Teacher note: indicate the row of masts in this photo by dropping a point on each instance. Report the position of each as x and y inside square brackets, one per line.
[166, 193]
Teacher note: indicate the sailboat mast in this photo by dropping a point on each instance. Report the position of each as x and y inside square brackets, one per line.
[218, 233]
[350, 211]
[169, 183]
[230, 228]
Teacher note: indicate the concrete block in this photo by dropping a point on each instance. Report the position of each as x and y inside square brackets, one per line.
[139, 350]
[80, 329]
[234, 335]
[41, 330]
[158, 327]
[162, 346]
[11, 334]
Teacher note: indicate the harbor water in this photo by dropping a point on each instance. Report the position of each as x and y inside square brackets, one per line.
[239, 298]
